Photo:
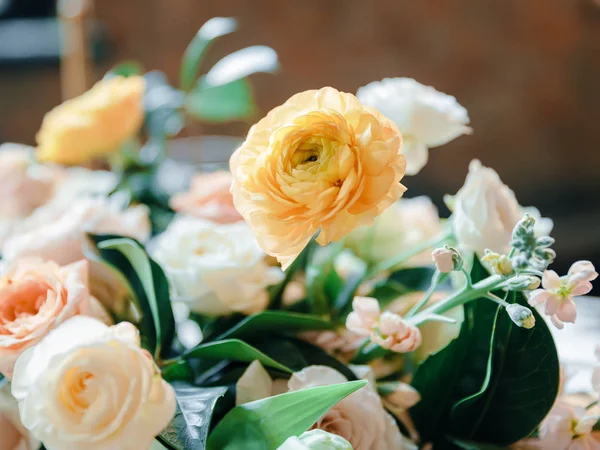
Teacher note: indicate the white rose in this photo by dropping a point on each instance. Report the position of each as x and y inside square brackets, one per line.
[23, 186]
[359, 418]
[405, 224]
[316, 440]
[58, 232]
[217, 268]
[73, 183]
[426, 117]
[485, 211]
[88, 386]
[13, 435]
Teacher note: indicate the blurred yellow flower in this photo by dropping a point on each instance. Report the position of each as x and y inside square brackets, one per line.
[94, 124]
[319, 161]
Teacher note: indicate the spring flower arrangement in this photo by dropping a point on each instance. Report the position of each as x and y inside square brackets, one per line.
[298, 301]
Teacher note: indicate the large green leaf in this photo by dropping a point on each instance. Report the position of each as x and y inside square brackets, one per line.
[235, 350]
[266, 424]
[493, 384]
[435, 379]
[154, 283]
[225, 102]
[520, 385]
[274, 321]
[189, 428]
[192, 58]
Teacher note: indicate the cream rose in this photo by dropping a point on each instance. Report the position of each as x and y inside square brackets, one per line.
[316, 440]
[58, 232]
[13, 435]
[426, 117]
[23, 186]
[404, 225]
[321, 161]
[485, 211]
[72, 183]
[88, 386]
[216, 268]
[36, 297]
[209, 197]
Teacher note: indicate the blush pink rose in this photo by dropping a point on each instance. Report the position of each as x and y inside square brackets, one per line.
[208, 198]
[36, 297]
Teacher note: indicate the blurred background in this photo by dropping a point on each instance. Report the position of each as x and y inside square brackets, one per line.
[527, 71]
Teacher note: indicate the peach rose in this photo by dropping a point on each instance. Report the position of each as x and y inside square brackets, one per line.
[35, 297]
[13, 435]
[94, 124]
[58, 233]
[321, 161]
[87, 386]
[209, 197]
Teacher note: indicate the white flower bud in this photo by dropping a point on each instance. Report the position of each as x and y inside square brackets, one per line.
[521, 283]
[447, 259]
[316, 440]
[500, 264]
[521, 316]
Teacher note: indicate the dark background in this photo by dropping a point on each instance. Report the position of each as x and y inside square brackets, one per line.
[528, 71]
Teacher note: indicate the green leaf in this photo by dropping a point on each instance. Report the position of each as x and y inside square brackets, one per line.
[520, 386]
[235, 350]
[163, 105]
[155, 284]
[241, 63]
[469, 445]
[414, 278]
[274, 321]
[493, 384]
[298, 354]
[178, 371]
[125, 69]
[192, 58]
[189, 428]
[266, 424]
[318, 275]
[3, 380]
[226, 102]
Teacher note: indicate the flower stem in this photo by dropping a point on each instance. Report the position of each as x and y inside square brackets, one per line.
[468, 293]
[437, 278]
[402, 257]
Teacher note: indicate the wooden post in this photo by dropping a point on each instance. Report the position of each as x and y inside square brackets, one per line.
[75, 71]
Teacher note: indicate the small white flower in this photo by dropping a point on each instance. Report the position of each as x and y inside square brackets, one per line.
[216, 268]
[426, 117]
[558, 292]
[521, 316]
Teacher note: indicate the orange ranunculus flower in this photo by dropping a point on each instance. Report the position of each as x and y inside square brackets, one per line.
[94, 124]
[319, 161]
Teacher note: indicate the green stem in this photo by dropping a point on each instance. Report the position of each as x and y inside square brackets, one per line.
[467, 277]
[461, 297]
[496, 299]
[402, 257]
[435, 282]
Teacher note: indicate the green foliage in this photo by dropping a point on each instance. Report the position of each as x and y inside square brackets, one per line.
[235, 350]
[266, 424]
[189, 428]
[320, 271]
[194, 54]
[150, 285]
[269, 322]
[221, 103]
[493, 384]
[125, 69]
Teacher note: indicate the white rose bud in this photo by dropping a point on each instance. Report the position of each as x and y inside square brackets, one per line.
[316, 440]
[521, 316]
[446, 259]
[87, 386]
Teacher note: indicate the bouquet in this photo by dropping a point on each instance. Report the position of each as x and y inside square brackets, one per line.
[297, 301]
